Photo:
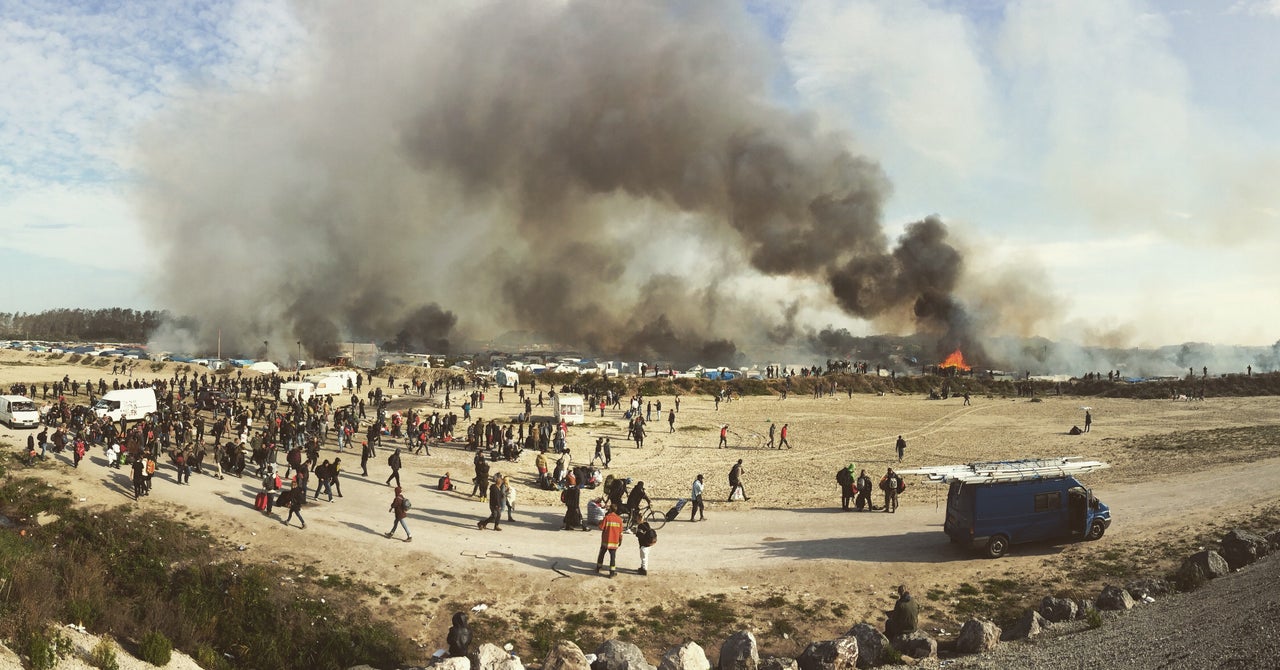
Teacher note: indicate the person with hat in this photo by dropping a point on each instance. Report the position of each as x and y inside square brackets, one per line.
[610, 539]
[401, 510]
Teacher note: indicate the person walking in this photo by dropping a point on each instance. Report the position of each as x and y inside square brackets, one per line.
[497, 503]
[671, 421]
[399, 508]
[724, 440]
[366, 452]
[699, 512]
[610, 539]
[572, 499]
[902, 447]
[509, 495]
[297, 496]
[773, 430]
[646, 537]
[394, 462]
[782, 441]
[735, 481]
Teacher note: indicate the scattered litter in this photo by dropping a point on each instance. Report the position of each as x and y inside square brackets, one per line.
[76, 627]
[83, 499]
[440, 653]
[786, 637]
[508, 646]
[1148, 599]
[322, 601]
[745, 588]
[591, 658]
[241, 548]
[480, 608]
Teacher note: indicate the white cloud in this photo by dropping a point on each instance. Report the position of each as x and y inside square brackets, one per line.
[1256, 7]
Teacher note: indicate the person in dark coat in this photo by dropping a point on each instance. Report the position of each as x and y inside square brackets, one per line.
[844, 476]
[497, 502]
[572, 498]
[905, 614]
[459, 636]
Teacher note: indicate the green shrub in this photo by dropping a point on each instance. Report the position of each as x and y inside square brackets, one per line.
[1094, 619]
[103, 655]
[155, 648]
[208, 658]
[44, 648]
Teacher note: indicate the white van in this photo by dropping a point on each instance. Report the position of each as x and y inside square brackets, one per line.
[128, 404]
[18, 411]
[329, 385]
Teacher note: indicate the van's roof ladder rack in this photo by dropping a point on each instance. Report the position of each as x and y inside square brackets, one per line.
[1008, 471]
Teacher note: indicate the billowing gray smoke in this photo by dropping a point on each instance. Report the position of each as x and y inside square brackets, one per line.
[601, 174]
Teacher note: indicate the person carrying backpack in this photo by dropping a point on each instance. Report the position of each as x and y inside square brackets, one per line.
[400, 507]
[863, 485]
[393, 461]
[844, 477]
[892, 484]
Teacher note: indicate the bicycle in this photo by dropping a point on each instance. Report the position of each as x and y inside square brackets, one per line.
[655, 518]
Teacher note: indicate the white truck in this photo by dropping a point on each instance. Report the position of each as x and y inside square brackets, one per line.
[18, 411]
[127, 404]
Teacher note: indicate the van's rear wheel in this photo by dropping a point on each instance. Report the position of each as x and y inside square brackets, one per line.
[997, 546]
[1096, 529]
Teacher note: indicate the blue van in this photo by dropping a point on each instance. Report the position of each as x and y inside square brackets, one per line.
[1011, 502]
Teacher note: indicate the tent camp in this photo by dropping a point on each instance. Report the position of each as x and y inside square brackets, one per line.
[505, 377]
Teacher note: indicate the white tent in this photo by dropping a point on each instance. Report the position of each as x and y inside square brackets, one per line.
[265, 367]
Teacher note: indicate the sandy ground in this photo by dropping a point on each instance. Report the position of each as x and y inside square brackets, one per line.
[791, 537]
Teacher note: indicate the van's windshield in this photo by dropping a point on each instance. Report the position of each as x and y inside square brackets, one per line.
[22, 407]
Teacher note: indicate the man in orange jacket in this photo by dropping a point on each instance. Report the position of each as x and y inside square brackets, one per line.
[610, 538]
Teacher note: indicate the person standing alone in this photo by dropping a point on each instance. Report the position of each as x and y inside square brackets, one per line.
[1088, 420]
[735, 481]
[399, 507]
[902, 447]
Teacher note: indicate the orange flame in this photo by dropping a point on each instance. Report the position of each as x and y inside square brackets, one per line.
[955, 360]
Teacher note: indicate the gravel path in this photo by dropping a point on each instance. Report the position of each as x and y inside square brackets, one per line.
[1233, 622]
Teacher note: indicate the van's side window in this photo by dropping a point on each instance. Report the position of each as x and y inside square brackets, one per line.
[1048, 501]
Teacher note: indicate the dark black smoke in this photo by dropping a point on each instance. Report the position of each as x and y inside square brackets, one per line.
[531, 166]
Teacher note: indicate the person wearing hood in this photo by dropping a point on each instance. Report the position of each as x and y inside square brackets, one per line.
[844, 477]
[459, 636]
[400, 508]
[905, 614]
[393, 461]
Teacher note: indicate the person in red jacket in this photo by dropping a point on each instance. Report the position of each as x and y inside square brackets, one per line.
[610, 538]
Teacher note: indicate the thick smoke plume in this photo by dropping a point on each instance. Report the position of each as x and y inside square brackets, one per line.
[600, 174]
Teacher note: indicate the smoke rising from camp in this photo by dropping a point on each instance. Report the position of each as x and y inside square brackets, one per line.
[449, 170]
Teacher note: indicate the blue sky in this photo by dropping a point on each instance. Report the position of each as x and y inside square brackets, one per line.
[1121, 157]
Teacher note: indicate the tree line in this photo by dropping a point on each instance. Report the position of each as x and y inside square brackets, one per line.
[114, 324]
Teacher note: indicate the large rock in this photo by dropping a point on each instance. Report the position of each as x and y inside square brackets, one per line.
[1114, 598]
[1274, 540]
[1241, 548]
[1148, 587]
[565, 655]
[1207, 564]
[838, 654]
[872, 644]
[778, 663]
[977, 636]
[492, 657]
[619, 655]
[1028, 626]
[452, 663]
[739, 652]
[916, 644]
[688, 656]
[1056, 610]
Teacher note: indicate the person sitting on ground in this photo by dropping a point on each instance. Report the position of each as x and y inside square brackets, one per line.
[903, 618]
